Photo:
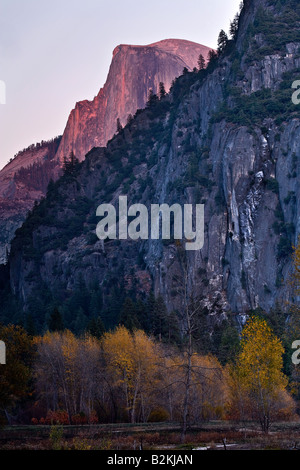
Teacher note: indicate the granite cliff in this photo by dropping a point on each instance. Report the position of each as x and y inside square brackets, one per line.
[133, 72]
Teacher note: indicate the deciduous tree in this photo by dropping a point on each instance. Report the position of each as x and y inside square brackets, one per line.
[258, 376]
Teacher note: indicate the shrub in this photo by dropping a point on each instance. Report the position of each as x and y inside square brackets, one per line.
[158, 415]
[79, 418]
[56, 417]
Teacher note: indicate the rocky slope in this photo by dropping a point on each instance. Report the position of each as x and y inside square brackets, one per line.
[228, 137]
[23, 181]
[134, 70]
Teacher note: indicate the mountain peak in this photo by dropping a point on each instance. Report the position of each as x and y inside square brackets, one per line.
[134, 70]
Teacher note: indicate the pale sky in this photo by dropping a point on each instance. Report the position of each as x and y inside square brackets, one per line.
[54, 53]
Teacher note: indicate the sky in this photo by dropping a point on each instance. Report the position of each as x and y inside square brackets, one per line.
[54, 53]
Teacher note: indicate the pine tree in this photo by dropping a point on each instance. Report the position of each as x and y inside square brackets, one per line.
[96, 327]
[128, 317]
[212, 57]
[201, 62]
[119, 126]
[70, 165]
[56, 321]
[162, 90]
[297, 268]
[222, 41]
[129, 119]
[234, 26]
[30, 326]
[152, 99]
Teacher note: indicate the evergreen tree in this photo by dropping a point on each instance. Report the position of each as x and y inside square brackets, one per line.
[222, 41]
[201, 62]
[56, 321]
[162, 91]
[119, 126]
[70, 165]
[229, 344]
[160, 317]
[128, 317]
[212, 57]
[30, 326]
[129, 119]
[96, 327]
[150, 308]
[50, 187]
[152, 99]
[81, 322]
[234, 26]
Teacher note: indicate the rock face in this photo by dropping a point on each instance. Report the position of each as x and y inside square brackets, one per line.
[228, 137]
[133, 72]
[23, 181]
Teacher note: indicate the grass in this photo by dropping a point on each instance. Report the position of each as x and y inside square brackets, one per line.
[153, 436]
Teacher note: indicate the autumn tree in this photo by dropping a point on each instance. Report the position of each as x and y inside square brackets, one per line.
[207, 391]
[131, 364]
[258, 373]
[292, 336]
[15, 375]
[190, 308]
[68, 372]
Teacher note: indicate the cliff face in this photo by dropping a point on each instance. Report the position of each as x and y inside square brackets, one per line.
[23, 181]
[133, 71]
[229, 138]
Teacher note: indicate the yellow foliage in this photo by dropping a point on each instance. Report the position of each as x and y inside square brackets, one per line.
[296, 259]
[256, 383]
[132, 361]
